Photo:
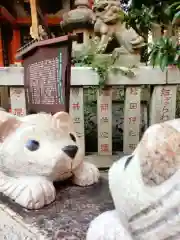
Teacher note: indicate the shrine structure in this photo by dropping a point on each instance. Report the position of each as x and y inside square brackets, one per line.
[19, 20]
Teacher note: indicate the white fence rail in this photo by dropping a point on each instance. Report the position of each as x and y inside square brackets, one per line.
[162, 102]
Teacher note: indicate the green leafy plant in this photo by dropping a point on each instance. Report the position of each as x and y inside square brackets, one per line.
[89, 60]
[141, 20]
[103, 66]
[164, 52]
[158, 7]
[142, 15]
[173, 12]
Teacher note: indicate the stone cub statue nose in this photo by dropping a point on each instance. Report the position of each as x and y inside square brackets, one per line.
[70, 150]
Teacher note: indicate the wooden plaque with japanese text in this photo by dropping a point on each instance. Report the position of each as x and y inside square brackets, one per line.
[47, 66]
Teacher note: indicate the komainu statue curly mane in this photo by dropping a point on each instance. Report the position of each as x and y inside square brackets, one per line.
[108, 26]
[145, 188]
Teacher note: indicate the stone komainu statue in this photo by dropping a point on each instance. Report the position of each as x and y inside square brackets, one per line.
[108, 26]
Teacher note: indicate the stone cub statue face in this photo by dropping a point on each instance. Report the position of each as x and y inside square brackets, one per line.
[39, 144]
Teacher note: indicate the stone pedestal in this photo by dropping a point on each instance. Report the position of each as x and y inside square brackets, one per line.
[67, 218]
[126, 59]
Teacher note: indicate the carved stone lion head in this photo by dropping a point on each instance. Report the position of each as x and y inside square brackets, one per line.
[107, 11]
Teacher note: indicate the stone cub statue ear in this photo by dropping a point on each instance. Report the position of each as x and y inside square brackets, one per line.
[64, 121]
[8, 124]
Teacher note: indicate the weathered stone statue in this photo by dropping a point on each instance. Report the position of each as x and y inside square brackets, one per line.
[105, 24]
[37, 150]
[113, 34]
[109, 26]
[145, 188]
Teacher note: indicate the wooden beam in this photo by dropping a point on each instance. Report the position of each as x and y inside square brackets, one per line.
[15, 45]
[34, 18]
[1, 51]
[7, 16]
[51, 21]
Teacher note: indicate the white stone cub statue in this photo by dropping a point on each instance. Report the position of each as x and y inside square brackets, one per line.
[35, 151]
[145, 188]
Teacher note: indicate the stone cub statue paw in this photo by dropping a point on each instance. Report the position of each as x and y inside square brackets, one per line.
[37, 192]
[37, 150]
[107, 226]
[29, 192]
[86, 174]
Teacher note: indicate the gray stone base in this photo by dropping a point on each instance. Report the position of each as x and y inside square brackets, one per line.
[67, 218]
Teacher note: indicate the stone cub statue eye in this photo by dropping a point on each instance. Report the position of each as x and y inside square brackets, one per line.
[72, 137]
[32, 145]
